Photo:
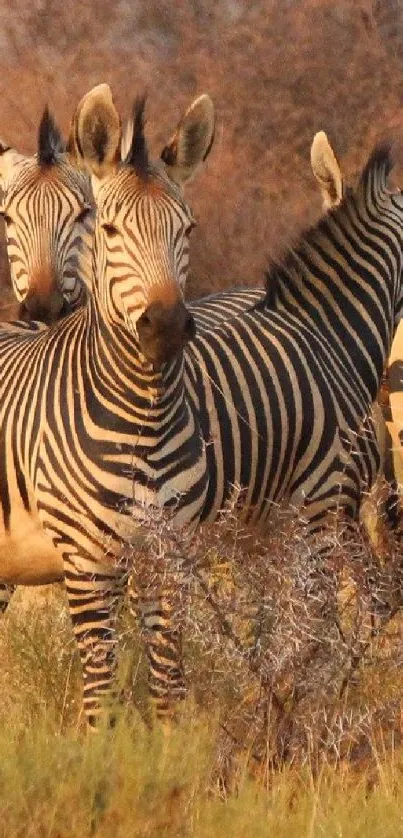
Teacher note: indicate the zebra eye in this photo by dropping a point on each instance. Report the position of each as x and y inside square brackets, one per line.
[110, 230]
[7, 218]
[190, 227]
[83, 214]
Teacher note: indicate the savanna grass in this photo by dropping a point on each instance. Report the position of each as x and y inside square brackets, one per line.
[133, 782]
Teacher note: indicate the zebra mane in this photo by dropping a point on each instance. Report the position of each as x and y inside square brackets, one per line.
[381, 157]
[291, 265]
[137, 153]
[50, 141]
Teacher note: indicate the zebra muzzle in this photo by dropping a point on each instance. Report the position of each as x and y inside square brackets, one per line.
[46, 307]
[164, 331]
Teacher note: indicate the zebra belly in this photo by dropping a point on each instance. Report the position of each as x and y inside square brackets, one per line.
[27, 554]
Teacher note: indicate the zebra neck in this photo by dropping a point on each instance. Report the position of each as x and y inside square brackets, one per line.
[348, 314]
[117, 362]
[343, 280]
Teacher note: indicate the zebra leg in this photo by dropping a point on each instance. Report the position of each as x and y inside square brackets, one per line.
[94, 600]
[155, 611]
[164, 649]
[6, 592]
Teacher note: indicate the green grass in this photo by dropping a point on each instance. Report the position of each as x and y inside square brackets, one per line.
[57, 780]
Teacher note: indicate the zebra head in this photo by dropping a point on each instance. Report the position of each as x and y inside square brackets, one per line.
[47, 208]
[143, 221]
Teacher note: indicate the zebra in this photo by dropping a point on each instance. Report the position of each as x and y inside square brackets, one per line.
[376, 506]
[47, 207]
[206, 312]
[120, 409]
[40, 197]
[394, 411]
[60, 523]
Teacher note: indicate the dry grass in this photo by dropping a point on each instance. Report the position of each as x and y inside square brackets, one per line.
[139, 784]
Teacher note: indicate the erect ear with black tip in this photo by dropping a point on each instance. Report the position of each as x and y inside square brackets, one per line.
[326, 170]
[50, 141]
[191, 142]
[9, 157]
[95, 133]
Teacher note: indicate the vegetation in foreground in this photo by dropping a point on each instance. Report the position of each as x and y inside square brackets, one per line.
[135, 783]
[293, 722]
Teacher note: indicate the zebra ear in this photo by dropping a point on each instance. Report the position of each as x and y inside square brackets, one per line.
[326, 170]
[127, 136]
[95, 134]
[8, 159]
[191, 142]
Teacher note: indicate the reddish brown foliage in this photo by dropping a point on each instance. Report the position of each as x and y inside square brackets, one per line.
[277, 72]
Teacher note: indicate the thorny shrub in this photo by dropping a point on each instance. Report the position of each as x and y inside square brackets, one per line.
[294, 640]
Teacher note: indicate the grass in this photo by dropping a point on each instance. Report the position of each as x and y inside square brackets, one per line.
[135, 783]
[58, 781]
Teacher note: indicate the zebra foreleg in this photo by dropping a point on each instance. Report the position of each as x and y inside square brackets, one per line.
[94, 601]
[164, 648]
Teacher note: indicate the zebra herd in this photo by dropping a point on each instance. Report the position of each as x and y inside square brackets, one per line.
[135, 402]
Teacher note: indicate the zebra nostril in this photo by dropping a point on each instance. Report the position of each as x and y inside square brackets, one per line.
[190, 328]
[145, 320]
